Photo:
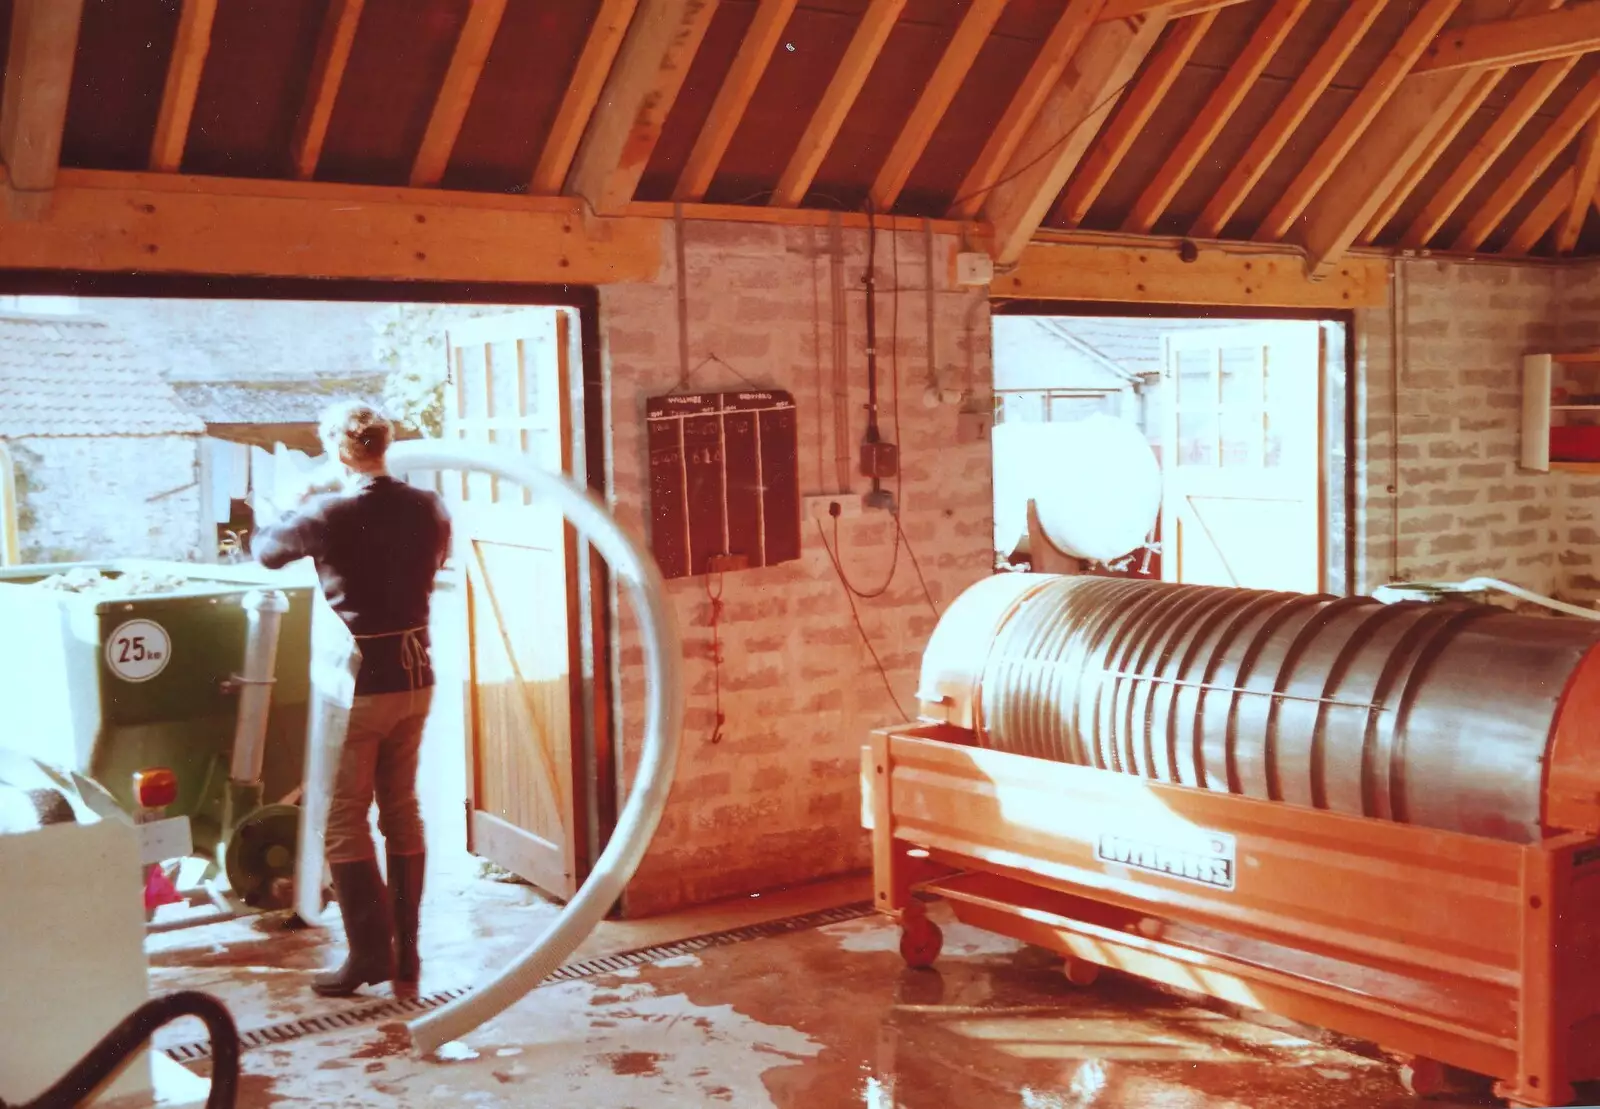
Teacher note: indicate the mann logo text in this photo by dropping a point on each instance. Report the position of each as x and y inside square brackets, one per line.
[1207, 861]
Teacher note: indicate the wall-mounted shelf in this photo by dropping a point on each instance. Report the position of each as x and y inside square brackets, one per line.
[1576, 373]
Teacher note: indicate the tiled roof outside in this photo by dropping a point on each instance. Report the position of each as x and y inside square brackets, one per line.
[66, 376]
[275, 401]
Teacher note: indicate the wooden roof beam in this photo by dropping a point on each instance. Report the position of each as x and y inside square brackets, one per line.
[583, 92]
[644, 82]
[1176, 9]
[1586, 183]
[1069, 31]
[1515, 184]
[1457, 119]
[33, 108]
[1214, 116]
[1288, 115]
[1517, 41]
[1133, 113]
[189, 49]
[1068, 122]
[840, 96]
[1361, 113]
[455, 95]
[1558, 199]
[952, 70]
[733, 98]
[1507, 125]
[1405, 132]
[327, 74]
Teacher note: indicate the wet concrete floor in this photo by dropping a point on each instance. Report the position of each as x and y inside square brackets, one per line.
[808, 1020]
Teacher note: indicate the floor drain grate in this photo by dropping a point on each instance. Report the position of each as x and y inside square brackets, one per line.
[404, 1008]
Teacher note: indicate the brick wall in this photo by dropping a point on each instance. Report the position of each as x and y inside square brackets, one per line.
[776, 801]
[102, 498]
[1439, 492]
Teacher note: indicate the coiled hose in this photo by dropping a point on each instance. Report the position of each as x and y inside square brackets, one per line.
[118, 1045]
[658, 760]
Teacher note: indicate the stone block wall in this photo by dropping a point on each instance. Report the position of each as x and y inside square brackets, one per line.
[774, 800]
[1439, 493]
[89, 498]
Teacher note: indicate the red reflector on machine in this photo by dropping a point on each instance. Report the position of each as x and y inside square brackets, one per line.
[155, 788]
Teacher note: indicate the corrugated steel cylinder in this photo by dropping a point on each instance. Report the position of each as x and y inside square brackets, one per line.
[1430, 714]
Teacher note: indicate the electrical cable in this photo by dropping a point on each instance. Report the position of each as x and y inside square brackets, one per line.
[1049, 151]
[888, 686]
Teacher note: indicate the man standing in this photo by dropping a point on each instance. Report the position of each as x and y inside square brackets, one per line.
[377, 544]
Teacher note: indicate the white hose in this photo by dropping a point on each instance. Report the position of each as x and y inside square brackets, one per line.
[657, 764]
[1410, 590]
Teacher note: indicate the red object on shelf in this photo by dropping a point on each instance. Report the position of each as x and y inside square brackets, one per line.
[1575, 444]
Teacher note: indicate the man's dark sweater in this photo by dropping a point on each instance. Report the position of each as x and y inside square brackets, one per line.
[377, 547]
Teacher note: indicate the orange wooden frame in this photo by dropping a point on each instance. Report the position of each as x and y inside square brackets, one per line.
[1469, 951]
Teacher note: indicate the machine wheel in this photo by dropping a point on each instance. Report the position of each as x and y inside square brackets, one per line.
[920, 940]
[1080, 972]
[1425, 1078]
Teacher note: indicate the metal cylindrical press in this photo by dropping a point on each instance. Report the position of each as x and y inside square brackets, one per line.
[1433, 714]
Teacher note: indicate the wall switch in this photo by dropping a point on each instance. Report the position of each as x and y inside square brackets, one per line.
[973, 268]
[820, 506]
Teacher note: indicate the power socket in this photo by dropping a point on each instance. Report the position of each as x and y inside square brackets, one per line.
[820, 507]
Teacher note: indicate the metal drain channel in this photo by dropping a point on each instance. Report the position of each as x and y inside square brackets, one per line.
[406, 1008]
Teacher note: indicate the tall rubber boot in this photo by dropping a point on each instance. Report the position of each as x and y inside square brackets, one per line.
[405, 893]
[364, 904]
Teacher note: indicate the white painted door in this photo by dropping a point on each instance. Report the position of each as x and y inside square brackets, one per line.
[1241, 457]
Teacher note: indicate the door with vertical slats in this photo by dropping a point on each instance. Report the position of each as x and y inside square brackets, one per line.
[510, 387]
[1241, 457]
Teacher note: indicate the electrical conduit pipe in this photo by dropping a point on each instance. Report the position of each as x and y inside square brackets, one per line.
[658, 760]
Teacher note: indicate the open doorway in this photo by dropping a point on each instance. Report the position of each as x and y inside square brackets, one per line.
[217, 399]
[1246, 420]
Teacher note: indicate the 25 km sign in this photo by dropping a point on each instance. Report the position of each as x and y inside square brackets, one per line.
[138, 650]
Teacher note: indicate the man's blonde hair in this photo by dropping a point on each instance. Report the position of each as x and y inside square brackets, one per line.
[356, 431]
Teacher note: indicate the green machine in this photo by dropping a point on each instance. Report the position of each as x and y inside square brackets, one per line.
[192, 679]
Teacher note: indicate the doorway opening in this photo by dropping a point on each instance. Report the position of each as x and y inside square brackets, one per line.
[1246, 418]
[218, 386]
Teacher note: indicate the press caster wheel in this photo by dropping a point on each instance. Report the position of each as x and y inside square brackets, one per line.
[1425, 1078]
[920, 942]
[1080, 972]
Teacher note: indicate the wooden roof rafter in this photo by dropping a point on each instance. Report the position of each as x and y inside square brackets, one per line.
[1359, 116]
[733, 98]
[1586, 181]
[859, 57]
[1133, 113]
[327, 74]
[33, 107]
[1288, 115]
[190, 46]
[1063, 130]
[455, 95]
[1519, 40]
[1074, 23]
[1515, 184]
[638, 94]
[1441, 107]
[583, 93]
[934, 102]
[1215, 114]
[1453, 121]
[1558, 198]
[1478, 161]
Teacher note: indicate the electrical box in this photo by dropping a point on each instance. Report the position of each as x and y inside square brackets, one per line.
[974, 269]
[724, 481]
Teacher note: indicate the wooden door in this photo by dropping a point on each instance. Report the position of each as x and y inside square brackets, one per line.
[1242, 504]
[510, 386]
